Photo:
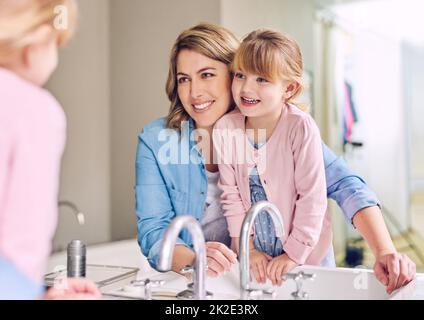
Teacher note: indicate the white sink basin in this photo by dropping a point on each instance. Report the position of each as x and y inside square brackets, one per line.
[329, 284]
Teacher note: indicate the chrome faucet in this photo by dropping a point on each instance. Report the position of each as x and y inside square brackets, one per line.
[245, 235]
[78, 214]
[298, 278]
[147, 284]
[167, 250]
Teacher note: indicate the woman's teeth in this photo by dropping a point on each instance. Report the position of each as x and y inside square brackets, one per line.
[249, 101]
[202, 106]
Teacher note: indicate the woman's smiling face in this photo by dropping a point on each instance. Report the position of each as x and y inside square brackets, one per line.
[204, 87]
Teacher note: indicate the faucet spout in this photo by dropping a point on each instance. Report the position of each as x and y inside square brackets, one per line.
[167, 250]
[78, 214]
[244, 237]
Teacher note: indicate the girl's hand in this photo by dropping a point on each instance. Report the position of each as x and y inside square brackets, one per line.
[279, 266]
[258, 265]
[74, 289]
[220, 258]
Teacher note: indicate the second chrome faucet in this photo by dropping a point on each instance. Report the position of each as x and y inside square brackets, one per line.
[245, 235]
[167, 250]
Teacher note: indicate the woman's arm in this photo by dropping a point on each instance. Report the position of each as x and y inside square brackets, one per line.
[360, 207]
[392, 269]
[346, 188]
[155, 213]
[219, 258]
[182, 257]
[370, 224]
[153, 206]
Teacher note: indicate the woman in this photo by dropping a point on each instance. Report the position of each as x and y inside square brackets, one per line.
[175, 175]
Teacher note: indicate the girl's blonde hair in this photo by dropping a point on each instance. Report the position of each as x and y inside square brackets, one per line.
[212, 41]
[20, 18]
[274, 56]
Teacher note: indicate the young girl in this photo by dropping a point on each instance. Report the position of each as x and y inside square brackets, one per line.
[32, 137]
[282, 162]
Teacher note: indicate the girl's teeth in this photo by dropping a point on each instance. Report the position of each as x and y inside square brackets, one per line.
[250, 100]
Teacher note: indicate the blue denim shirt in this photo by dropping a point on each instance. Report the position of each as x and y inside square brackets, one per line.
[165, 190]
[14, 285]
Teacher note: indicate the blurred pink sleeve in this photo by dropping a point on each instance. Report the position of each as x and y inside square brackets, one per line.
[32, 137]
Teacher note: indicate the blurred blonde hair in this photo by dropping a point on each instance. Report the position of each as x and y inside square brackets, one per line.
[274, 56]
[20, 18]
[212, 41]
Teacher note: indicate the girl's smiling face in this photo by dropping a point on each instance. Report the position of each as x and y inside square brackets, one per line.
[204, 87]
[256, 96]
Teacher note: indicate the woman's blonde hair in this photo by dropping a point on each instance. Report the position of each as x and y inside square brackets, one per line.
[274, 56]
[212, 41]
[20, 18]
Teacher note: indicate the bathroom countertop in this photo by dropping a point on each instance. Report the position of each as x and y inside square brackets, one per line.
[126, 253]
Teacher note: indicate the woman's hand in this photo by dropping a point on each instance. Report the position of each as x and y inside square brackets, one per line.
[279, 266]
[220, 258]
[258, 265]
[394, 270]
[73, 289]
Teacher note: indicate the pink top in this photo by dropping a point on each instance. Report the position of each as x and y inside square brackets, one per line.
[291, 169]
[32, 138]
